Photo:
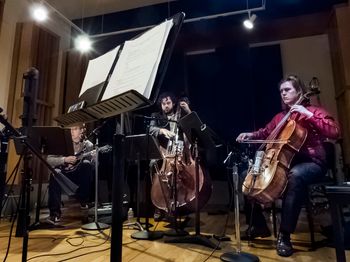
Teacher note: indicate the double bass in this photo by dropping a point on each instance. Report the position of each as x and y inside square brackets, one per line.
[267, 177]
[175, 180]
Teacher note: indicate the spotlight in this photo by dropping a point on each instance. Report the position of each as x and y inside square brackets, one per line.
[39, 12]
[83, 43]
[249, 23]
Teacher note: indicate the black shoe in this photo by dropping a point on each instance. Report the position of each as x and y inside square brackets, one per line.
[158, 215]
[53, 220]
[254, 232]
[86, 205]
[284, 246]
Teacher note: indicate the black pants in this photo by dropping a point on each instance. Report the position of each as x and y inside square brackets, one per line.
[83, 177]
[299, 178]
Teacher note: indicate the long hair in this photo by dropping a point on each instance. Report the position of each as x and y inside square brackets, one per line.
[165, 95]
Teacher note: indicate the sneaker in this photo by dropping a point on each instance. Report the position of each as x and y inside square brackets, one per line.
[53, 220]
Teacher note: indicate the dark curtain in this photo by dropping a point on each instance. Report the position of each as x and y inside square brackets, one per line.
[234, 89]
[218, 86]
[266, 74]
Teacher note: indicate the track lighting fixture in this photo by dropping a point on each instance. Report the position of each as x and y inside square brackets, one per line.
[249, 23]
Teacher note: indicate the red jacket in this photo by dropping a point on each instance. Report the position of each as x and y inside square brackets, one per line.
[320, 126]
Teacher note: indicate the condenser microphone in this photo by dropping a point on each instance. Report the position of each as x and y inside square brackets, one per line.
[258, 161]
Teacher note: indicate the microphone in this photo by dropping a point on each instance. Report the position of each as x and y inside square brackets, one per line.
[256, 168]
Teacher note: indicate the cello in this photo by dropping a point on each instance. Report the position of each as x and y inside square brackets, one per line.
[267, 177]
[175, 180]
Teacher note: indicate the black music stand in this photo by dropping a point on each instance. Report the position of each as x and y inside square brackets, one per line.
[143, 147]
[198, 135]
[121, 103]
[52, 140]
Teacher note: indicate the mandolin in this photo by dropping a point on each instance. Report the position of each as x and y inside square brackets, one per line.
[85, 155]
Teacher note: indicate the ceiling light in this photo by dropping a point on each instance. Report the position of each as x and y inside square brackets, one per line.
[83, 43]
[249, 23]
[39, 12]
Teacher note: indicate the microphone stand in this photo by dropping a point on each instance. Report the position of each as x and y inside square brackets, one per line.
[237, 255]
[24, 217]
[146, 234]
[197, 237]
[96, 225]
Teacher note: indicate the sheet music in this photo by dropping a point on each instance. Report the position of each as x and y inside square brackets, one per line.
[98, 70]
[138, 63]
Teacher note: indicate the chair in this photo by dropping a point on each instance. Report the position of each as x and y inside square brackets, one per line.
[338, 197]
[317, 201]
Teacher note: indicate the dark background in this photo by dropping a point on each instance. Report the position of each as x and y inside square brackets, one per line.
[231, 84]
[233, 87]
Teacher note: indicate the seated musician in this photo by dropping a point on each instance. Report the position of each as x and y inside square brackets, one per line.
[162, 129]
[80, 171]
[308, 165]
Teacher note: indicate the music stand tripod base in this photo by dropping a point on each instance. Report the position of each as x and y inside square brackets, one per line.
[175, 233]
[95, 226]
[194, 239]
[239, 257]
[147, 235]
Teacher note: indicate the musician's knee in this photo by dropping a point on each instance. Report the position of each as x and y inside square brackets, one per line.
[86, 165]
[296, 177]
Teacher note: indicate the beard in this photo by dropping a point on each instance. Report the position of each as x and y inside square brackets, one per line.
[169, 112]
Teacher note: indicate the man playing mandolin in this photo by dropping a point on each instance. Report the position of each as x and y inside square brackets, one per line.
[308, 164]
[80, 171]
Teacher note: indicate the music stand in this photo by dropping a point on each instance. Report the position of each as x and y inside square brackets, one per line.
[198, 135]
[123, 102]
[143, 147]
[52, 140]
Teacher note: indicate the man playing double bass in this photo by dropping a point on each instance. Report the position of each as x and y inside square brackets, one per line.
[162, 125]
[308, 165]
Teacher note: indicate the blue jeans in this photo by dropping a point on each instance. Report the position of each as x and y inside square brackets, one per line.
[300, 177]
[83, 177]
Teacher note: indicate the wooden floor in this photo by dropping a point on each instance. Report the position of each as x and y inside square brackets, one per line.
[71, 243]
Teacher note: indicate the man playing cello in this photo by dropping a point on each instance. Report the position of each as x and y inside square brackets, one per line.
[308, 165]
